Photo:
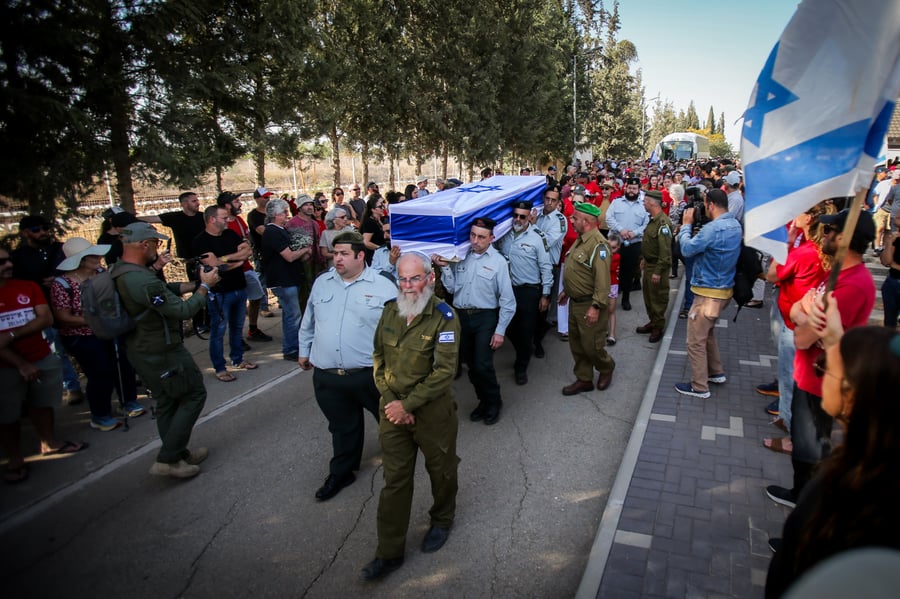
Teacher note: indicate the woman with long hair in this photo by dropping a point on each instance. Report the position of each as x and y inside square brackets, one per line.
[852, 501]
[370, 225]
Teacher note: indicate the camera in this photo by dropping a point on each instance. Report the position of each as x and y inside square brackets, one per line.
[198, 266]
[693, 197]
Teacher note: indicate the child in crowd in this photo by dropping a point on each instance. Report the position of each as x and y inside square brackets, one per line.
[615, 243]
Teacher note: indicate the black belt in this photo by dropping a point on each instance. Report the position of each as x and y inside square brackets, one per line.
[474, 310]
[585, 298]
[344, 371]
[529, 285]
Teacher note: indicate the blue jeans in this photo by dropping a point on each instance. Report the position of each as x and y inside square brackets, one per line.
[890, 293]
[289, 300]
[229, 308]
[786, 351]
[70, 377]
[97, 358]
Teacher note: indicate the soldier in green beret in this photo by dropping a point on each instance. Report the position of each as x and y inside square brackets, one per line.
[656, 254]
[586, 290]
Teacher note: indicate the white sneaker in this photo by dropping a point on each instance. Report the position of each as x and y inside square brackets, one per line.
[197, 456]
[179, 469]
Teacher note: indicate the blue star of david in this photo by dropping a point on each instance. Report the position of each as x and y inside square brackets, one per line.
[480, 188]
[770, 95]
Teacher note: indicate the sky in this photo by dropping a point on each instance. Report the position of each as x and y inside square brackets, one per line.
[706, 51]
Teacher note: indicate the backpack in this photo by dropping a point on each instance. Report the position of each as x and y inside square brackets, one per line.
[102, 305]
[747, 270]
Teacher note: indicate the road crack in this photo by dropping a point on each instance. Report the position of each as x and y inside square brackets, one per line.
[229, 518]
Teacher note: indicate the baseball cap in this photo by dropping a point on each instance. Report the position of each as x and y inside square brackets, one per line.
[140, 231]
[262, 192]
[226, 197]
[733, 178]
[865, 226]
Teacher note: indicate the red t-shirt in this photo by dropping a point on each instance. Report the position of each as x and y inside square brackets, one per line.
[801, 272]
[614, 269]
[855, 293]
[17, 301]
[239, 226]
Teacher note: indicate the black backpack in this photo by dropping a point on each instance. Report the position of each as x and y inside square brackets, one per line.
[747, 271]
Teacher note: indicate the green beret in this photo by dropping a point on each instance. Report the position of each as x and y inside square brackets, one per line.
[351, 237]
[588, 208]
[656, 195]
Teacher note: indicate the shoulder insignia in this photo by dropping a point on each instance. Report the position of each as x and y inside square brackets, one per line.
[562, 222]
[446, 337]
[603, 254]
[543, 238]
[445, 310]
[387, 276]
[664, 230]
[393, 299]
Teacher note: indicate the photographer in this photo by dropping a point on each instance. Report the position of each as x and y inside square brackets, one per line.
[715, 251]
[692, 197]
[218, 247]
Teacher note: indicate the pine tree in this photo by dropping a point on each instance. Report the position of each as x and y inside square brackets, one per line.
[711, 121]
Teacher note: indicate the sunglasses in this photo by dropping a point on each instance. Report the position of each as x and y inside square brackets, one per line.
[828, 229]
[520, 216]
[39, 228]
[339, 193]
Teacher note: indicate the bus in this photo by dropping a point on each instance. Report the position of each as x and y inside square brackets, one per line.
[682, 146]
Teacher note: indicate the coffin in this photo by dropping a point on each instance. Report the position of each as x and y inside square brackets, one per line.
[439, 223]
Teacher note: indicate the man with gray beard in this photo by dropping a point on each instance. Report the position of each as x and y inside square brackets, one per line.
[416, 351]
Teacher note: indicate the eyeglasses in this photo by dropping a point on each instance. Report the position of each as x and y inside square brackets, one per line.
[411, 280]
[520, 216]
[339, 193]
[39, 228]
[380, 206]
[828, 229]
[4, 261]
[356, 189]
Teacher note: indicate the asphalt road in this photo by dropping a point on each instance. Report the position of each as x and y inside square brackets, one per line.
[532, 491]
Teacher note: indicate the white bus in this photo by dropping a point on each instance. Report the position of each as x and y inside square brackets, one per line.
[682, 146]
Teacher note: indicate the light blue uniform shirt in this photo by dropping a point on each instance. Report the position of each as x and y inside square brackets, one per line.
[381, 261]
[529, 260]
[482, 281]
[628, 216]
[554, 227]
[338, 328]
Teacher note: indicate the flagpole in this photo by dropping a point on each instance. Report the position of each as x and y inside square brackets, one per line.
[849, 228]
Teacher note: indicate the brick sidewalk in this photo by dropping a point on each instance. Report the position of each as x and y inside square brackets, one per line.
[696, 520]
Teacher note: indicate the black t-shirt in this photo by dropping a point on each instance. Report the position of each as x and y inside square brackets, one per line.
[184, 229]
[370, 225]
[893, 272]
[226, 243]
[278, 271]
[115, 250]
[255, 219]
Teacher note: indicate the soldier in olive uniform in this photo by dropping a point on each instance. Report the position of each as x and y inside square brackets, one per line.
[415, 356]
[586, 290]
[656, 252]
[156, 350]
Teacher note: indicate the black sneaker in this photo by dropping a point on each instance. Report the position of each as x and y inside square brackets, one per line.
[782, 496]
[775, 545]
[772, 408]
[258, 335]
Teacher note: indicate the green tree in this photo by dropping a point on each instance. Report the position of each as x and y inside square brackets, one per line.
[721, 127]
[692, 121]
[711, 121]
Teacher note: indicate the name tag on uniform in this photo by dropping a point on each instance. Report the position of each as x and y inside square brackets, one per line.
[446, 337]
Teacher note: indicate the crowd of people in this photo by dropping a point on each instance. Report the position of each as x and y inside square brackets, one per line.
[387, 333]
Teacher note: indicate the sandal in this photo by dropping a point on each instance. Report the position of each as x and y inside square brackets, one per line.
[781, 445]
[13, 476]
[754, 304]
[67, 447]
[245, 365]
[226, 377]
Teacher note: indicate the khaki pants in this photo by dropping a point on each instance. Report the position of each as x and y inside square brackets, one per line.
[702, 348]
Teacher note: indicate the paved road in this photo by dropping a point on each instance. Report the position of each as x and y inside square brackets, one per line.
[532, 491]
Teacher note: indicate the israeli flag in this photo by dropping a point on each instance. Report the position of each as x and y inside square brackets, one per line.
[819, 113]
[654, 158]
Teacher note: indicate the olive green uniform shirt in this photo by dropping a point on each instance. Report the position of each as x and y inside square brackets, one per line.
[656, 250]
[586, 274]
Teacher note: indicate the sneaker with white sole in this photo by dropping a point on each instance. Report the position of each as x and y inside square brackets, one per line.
[105, 424]
[180, 469]
[688, 389]
[133, 409]
[718, 379]
[781, 495]
[197, 456]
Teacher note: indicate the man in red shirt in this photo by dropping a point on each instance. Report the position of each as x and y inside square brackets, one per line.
[30, 374]
[855, 294]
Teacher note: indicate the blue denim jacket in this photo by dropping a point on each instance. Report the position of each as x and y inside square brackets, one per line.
[716, 248]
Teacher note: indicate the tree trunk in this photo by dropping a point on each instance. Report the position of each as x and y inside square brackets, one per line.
[259, 159]
[391, 178]
[335, 155]
[445, 158]
[364, 156]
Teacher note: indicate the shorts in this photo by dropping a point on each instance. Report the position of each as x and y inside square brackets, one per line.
[614, 291]
[46, 392]
[255, 289]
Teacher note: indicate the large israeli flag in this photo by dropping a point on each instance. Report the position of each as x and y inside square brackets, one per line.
[439, 223]
[819, 112]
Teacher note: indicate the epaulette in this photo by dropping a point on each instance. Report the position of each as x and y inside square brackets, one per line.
[543, 238]
[445, 310]
[563, 226]
[388, 276]
[393, 299]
